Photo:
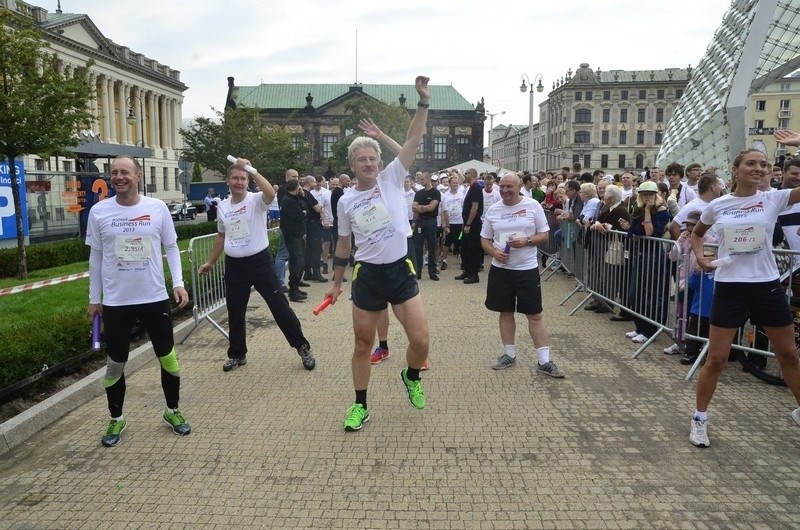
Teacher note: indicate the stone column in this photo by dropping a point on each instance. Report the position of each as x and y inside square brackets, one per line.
[123, 114]
[161, 122]
[140, 110]
[151, 101]
[112, 111]
[107, 109]
[178, 122]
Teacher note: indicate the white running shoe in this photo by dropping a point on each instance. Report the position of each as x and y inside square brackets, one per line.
[673, 350]
[631, 334]
[699, 433]
[639, 339]
[796, 415]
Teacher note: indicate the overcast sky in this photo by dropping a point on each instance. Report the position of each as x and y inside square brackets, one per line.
[480, 48]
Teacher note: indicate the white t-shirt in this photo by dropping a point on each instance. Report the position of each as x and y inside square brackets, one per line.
[489, 198]
[626, 193]
[695, 205]
[410, 202]
[323, 197]
[244, 225]
[744, 227]
[378, 217]
[130, 238]
[525, 192]
[524, 219]
[453, 203]
[790, 223]
[274, 206]
[685, 195]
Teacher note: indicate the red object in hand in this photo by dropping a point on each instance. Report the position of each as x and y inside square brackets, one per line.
[321, 307]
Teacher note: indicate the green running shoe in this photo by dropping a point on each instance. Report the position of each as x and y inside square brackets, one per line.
[115, 428]
[357, 416]
[177, 422]
[415, 393]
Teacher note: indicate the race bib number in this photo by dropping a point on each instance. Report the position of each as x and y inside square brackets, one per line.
[133, 248]
[237, 229]
[744, 239]
[374, 218]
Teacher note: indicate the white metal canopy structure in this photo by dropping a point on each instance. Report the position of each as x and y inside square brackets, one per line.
[757, 42]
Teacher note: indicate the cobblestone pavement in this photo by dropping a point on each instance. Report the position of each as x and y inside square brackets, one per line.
[606, 447]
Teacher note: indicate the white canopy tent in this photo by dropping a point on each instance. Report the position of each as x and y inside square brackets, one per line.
[479, 166]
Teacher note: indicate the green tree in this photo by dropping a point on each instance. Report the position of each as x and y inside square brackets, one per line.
[393, 121]
[40, 109]
[197, 173]
[240, 132]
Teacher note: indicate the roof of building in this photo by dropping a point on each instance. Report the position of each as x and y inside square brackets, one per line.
[293, 96]
[655, 76]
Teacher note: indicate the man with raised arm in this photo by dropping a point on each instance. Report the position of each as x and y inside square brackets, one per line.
[375, 213]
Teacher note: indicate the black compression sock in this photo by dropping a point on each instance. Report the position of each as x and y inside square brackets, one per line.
[383, 344]
[412, 374]
[361, 398]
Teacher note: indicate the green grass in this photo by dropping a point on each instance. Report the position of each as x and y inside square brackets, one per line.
[27, 307]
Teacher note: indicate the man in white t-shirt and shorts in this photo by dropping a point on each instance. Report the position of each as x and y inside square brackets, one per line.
[512, 229]
[126, 233]
[375, 213]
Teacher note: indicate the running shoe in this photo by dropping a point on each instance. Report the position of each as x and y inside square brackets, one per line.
[699, 433]
[177, 422]
[550, 368]
[115, 428]
[796, 415]
[673, 350]
[503, 362]
[230, 364]
[631, 334]
[306, 356]
[414, 388]
[378, 354]
[640, 339]
[357, 416]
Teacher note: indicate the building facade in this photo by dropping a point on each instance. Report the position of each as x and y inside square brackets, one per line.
[771, 108]
[313, 114]
[610, 120]
[137, 105]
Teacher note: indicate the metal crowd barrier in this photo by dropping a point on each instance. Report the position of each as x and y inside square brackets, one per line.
[632, 273]
[550, 250]
[692, 328]
[637, 275]
[208, 292]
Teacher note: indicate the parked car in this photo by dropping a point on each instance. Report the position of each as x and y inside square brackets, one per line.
[182, 211]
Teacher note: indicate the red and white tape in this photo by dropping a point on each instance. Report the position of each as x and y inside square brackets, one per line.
[43, 283]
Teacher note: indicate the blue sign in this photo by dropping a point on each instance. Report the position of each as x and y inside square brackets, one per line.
[8, 221]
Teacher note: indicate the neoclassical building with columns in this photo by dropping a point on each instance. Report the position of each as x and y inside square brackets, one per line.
[137, 105]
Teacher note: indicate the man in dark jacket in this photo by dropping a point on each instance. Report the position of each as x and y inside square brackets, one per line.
[293, 227]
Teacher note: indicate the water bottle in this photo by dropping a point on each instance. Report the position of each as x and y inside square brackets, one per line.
[96, 332]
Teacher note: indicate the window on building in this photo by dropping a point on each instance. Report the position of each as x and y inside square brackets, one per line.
[761, 105]
[581, 137]
[588, 95]
[660, 93]
[621, 163]
[578, 96]
[660, 115]
[606, 115]
[166, 179]
[440, 147]
[640, 161]
[785, 104]
[759, 124]
[603, 161]
[623, 137]
[604, 137]
[623, 115]
[576, 158]
[606, 95]
[642, 94]
[153, 187]
[659, 136]
[678, 93]
[623, 94]
[67, 166]
[786, 87]
[177, 179]
[297, 141]
[587, 161]
[327, 145]
[639, 137]
[640, 113]
[106, 169]
[783, 123]
[583, 116]
[462, 147]
[421, 150]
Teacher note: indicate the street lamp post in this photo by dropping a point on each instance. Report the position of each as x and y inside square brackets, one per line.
[523, 87]
[491, 129]
[132, 121]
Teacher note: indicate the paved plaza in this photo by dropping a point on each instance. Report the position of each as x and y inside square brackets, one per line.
[606, 447]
